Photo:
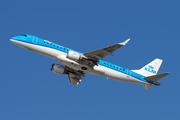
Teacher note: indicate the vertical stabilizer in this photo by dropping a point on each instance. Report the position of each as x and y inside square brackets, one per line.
[151, 68]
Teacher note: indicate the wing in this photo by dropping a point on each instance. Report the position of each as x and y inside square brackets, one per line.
[74, 79]
[74, 76]
[101, 53]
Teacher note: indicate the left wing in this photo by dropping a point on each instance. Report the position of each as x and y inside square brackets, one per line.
[74, 76]
[101, 53]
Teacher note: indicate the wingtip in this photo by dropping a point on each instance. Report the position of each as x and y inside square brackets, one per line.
[125, 42]
[167, 73]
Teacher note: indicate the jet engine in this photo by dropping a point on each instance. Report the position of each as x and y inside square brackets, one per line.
[74, 55]
[59, 69]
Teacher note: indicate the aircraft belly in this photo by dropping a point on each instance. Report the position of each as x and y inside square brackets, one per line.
[54, 53]
[41, 50]
[50, 52]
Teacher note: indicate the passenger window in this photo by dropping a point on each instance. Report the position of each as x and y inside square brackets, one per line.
[120, 68]
[123, 69]
[54, 45]
[57, 46]
[47, 42]
[44, 41]
[51, 43]
[61, 47]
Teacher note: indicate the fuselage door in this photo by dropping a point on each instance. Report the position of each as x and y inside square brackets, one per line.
[128, 73]
[35, 39]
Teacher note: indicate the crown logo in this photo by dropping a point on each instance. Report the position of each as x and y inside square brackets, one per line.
[151, 67]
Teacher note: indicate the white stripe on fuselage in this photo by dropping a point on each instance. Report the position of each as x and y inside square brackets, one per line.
[60, 57]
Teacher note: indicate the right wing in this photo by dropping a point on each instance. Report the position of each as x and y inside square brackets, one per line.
[101, 53]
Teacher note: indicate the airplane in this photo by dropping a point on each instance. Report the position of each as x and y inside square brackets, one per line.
[77, 64]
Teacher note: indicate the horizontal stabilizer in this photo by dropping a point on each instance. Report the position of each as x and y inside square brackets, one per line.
[155, 78]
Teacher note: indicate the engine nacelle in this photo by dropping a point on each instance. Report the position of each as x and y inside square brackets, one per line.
[59, 69]
[74, 55]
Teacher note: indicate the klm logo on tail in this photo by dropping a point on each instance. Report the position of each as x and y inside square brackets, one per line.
[150, 69]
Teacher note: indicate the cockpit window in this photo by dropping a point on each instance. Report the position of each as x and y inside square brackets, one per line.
[24, 35]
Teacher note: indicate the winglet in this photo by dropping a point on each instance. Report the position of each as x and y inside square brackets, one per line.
[125, 42]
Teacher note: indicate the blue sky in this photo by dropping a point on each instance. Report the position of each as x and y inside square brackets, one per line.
[29, 90]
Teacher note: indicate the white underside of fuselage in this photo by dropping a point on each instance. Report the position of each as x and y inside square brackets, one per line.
[60, 56]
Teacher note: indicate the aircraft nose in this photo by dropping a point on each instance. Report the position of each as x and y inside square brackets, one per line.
[13, 39]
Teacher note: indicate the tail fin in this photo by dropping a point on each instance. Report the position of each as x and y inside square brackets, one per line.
[151, 68]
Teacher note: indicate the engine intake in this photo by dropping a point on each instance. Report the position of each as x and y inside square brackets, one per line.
[74, 55]
[59, 69]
